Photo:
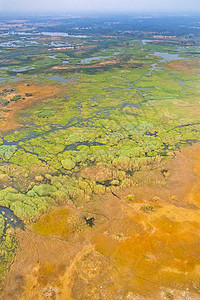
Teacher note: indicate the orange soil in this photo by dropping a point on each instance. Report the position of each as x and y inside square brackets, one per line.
[9, 61]
[39, 93]
[49, 38]
[184, 65]
[128, 254]
[83, 48]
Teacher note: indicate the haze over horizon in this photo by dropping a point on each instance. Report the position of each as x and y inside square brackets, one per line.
[100, 6]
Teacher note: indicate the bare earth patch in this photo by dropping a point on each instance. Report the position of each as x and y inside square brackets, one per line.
[39, 93]
[184, 65]
[144, 249]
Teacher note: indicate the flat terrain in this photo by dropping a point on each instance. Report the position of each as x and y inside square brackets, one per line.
[147, 246]
[99, 159]
[37, 92]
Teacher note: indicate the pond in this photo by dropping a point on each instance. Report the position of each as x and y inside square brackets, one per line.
[62, 34]
[11, 220]
[52, 56]
[18, 43]
[88, 60]
[57, 78]
[59, 44]
[23, 69]
[181, 83]
[11, 78]
[146, 41]
[61, 79]
[167, 56]
[54, 33]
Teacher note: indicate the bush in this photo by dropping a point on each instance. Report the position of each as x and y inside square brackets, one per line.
[4, 102]
[28, 94]
[16, 98]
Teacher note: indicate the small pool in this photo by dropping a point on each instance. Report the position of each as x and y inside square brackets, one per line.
[167, 56]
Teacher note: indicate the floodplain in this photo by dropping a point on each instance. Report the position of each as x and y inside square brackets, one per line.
[99, 159]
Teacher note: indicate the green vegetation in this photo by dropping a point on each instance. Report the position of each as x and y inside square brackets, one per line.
[28, 94]
[16, 98]
[7, 251]
[110, 122]
[147, 208]
[169, 295]
[120, 119]
[4, 102]
[6, 152]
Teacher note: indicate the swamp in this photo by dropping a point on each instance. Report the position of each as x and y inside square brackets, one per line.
[99, 158]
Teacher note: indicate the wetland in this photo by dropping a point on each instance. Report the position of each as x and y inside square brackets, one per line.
[99, 158]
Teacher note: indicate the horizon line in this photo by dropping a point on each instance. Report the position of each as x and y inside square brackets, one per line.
[111, 12]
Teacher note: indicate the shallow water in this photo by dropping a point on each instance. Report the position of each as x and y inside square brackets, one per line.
[62, 79]
[11, 78]
[59, 44]
[54, 33]
[181, 83]
[167, 56]
[146, 41]
[57, 78]
[18, 43]
[62, 34]
[154, 67]
[11, 219]
[88, 60]
[52, 56]
[22, 69]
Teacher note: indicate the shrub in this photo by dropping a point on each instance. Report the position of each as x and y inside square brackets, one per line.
[16, 98]
[28, 94]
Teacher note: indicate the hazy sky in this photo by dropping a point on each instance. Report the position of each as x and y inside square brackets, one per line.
[100, 5]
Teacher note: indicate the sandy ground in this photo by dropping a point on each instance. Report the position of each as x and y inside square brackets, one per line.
[11, 111]
[187, 65]
[144, 249]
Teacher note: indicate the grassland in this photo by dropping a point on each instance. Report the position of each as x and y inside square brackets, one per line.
[81, 131]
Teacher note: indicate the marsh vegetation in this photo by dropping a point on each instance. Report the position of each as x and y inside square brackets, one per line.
[86, 156]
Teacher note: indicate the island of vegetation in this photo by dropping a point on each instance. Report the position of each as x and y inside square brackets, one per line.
[99, 158]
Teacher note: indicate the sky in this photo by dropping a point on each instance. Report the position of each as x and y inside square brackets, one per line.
[100, 5]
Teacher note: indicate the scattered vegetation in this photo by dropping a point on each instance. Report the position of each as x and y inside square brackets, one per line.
[147, 208]
[16, 98]
[169, 295]
[116, 116]
[28, 94]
